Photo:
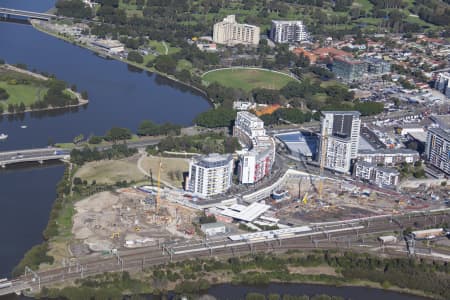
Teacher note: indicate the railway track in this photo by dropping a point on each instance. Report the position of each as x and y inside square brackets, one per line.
[355, 235]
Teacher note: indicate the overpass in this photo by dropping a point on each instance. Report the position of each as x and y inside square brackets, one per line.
[7, 12]
[32, 155]
[358, 234]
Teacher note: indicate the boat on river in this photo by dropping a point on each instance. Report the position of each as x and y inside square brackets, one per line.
[3, 136]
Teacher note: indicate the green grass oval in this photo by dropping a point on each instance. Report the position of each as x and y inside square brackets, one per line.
[248, 79]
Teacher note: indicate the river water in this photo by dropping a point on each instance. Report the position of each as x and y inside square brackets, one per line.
[119, 97]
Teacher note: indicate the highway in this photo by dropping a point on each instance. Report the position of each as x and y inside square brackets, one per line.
[357, 235]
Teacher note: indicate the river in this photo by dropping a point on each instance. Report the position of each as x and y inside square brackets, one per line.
[118, 97]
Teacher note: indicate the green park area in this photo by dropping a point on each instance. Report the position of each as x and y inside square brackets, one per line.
[21, 90]
[22, 93]
[248, 79]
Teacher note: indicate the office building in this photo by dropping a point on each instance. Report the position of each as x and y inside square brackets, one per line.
[442, 83]
[340, 133]
[381, 176]
[210, 175]
[229, 32]
[288, 32]
[349, 69]
[438, 149]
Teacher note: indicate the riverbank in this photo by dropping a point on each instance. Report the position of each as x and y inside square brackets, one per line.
[7, 68]
[193, 277]
[37, 26]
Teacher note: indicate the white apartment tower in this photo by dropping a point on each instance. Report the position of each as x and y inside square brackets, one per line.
[288, 31]
[229, 32]
[340, 131]
[210, 175]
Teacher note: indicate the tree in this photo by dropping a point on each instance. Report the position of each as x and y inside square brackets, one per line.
[78, 139]
[166, 64]
[136, 57]
[220, 117]
[117, 133]
[95, 139]
[3, 94]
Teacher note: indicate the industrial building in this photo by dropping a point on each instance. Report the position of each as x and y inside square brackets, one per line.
[349, 69]
[442, 83]
[339, 139]
[210, 175]
[229, 32]
[111, 46]
[288, 32]
[299, 145]
[381, 176]
[238, 212]
[438, 149]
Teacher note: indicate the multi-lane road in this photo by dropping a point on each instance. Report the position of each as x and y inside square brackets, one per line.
[357, 235]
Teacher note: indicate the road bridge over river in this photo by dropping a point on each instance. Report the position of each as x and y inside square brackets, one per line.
[357, 235]
[8, 12]
[53, 153]
[33, 155]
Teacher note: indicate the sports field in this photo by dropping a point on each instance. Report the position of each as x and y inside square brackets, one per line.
[248, 79]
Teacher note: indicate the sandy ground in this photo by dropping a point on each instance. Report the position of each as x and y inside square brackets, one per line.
[111, 171]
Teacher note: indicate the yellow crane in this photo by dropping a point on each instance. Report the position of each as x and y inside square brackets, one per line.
[305, 198]
[159, 187]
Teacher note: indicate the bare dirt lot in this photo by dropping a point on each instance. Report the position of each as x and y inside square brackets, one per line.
[127, 218]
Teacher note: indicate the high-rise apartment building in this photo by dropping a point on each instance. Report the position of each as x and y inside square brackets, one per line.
[442, 83]
[247, 126]
[229, 32]
[438, 149]
[349, 69]
[210, 175]
[288, 31]
[340, 132]
[255, 162]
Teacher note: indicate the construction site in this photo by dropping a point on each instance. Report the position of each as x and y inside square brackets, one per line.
[129, 217]
[311, 199]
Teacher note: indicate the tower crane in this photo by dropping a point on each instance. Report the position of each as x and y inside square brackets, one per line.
[323, 155]
[158, 192]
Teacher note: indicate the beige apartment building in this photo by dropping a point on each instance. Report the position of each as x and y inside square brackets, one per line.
[229, 32]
